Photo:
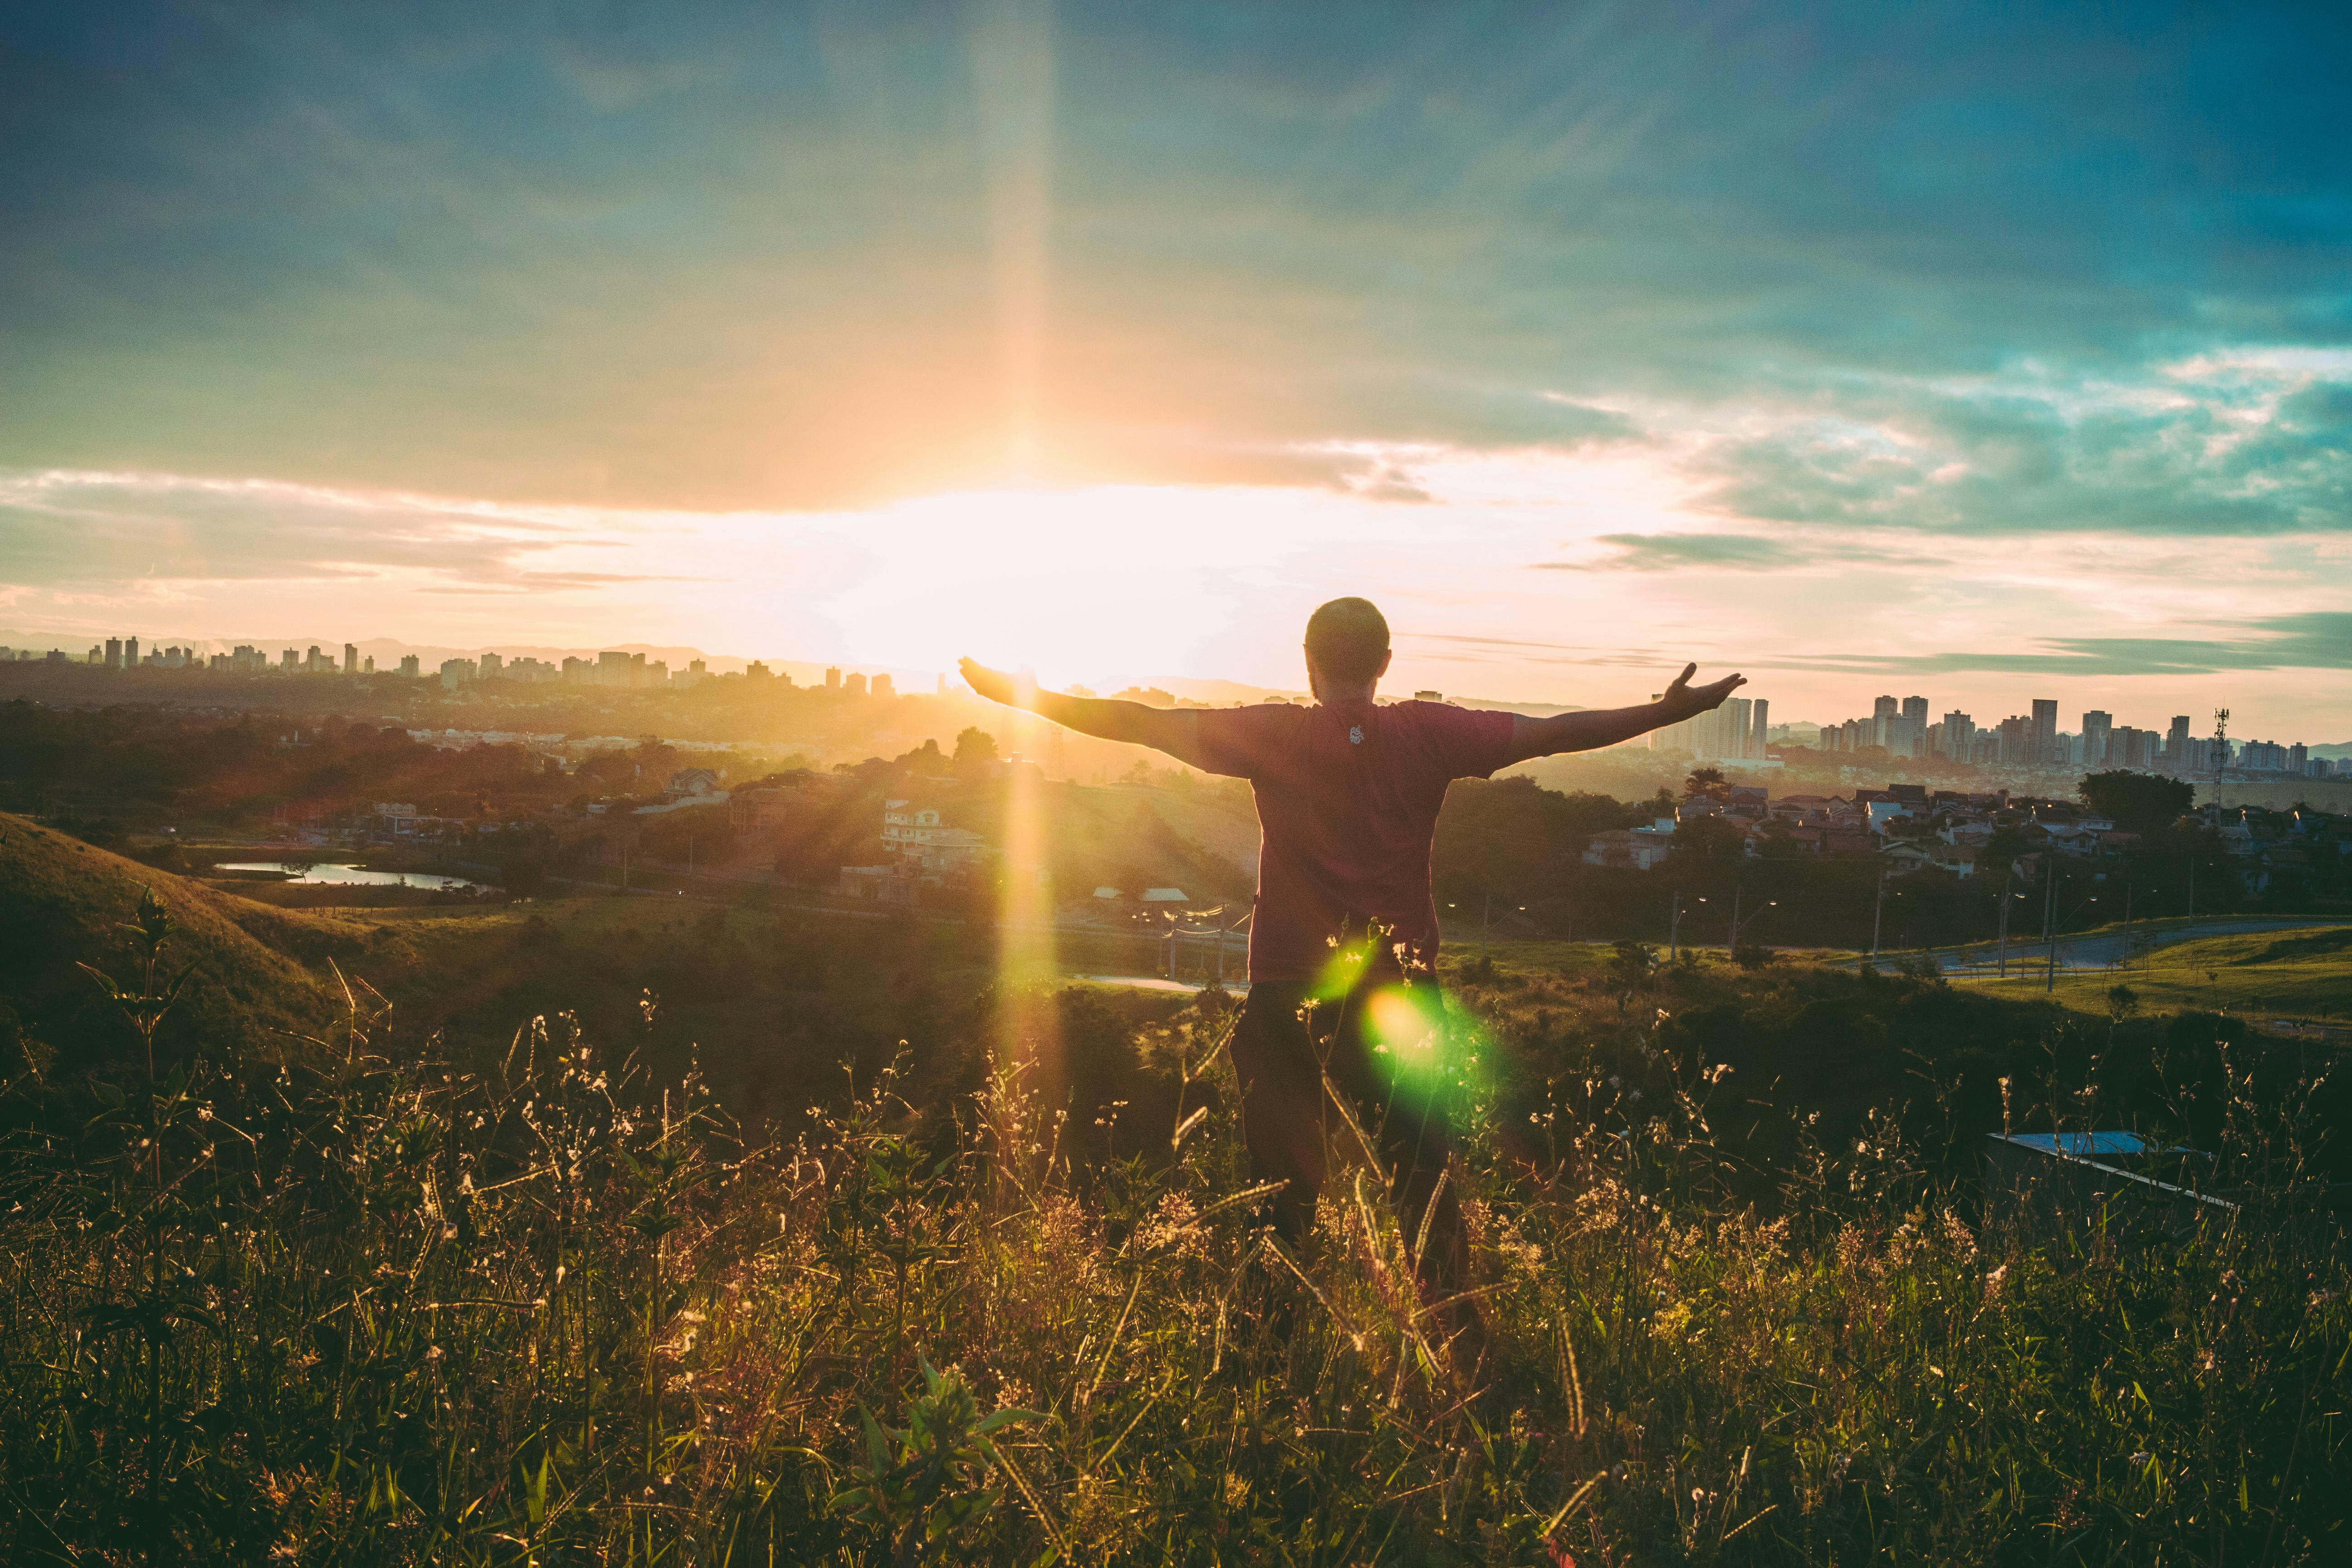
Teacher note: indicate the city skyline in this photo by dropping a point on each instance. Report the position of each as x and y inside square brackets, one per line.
[1740, 731]
[1832, 345]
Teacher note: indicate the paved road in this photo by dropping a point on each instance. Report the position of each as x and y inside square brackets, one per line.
[2107, 949]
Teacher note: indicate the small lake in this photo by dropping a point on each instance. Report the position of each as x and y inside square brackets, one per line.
[354, 876]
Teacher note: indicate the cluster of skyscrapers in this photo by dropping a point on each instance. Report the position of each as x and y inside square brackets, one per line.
[1900, 727]
[123, 653]
[612, 669]
[1734, 732]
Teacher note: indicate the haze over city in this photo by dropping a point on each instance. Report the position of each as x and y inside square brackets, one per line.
[1859, 350]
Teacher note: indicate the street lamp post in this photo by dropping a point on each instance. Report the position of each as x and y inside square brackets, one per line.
[1736, 922]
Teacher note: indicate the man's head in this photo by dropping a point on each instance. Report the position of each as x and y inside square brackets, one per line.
[1347, 649]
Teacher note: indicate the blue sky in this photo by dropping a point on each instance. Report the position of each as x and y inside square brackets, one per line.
[1977, 346]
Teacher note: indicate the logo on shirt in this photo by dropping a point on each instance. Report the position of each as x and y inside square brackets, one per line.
[1355, 735]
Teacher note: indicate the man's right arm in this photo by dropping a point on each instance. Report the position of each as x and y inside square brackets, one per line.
[1173, 731]
[1592, 729]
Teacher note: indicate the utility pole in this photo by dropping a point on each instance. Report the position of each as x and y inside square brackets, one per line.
[1674, 928]
[1877, 915]
[2005, 896]
[1731, 946]
[2050, 929]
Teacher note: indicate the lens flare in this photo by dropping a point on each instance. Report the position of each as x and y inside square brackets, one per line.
[1028, 1034]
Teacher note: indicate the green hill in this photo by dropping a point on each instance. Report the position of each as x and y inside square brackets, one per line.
[2287, 972]
[260, 972]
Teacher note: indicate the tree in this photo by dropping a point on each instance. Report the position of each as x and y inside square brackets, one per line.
[1630, 963]
[1706, 783]
[2138, 803]
[1710, 839]
[975, 748]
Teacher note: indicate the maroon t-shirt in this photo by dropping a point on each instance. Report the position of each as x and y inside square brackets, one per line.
[1348, 795]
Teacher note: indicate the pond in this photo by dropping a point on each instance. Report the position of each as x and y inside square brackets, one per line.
[354, 876]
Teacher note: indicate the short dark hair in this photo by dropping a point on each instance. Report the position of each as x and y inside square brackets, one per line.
[1348, 639]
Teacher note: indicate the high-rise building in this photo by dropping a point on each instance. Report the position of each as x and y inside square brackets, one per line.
[2096, 727]
[1723, 733]
[2044, 740]
[1886, 708]
[114, 653]
[2176, 741]
[832, 678]
[1959, 735]
[883, 686]
[457, 672]
[853, 683]
[1915, 709]
[351, 659]
[409, 666]
[1759, 725]
[491, 667]
[130, 653]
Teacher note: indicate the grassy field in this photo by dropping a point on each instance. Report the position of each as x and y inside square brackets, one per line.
[419, 1302]
[2296, 973]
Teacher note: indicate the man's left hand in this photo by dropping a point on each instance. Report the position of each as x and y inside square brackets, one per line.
[1683, 699]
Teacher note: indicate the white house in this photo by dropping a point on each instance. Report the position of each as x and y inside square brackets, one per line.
[906, 826]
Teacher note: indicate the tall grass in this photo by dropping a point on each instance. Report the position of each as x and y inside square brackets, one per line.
[375, 1306]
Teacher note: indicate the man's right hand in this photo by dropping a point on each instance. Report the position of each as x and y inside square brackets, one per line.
[996, 685]
[1683, 700]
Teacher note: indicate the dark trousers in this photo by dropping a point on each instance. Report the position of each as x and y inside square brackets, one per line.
[1282, 1051]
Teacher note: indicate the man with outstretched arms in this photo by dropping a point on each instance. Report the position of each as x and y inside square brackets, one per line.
[1343, 943]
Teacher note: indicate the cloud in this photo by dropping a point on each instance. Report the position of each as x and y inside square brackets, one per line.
[2307, 640]
[64, 529]
[2223, 456]
[722, 257]
[1704, 552]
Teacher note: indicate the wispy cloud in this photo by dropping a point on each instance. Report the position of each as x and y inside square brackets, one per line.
[2320, 640]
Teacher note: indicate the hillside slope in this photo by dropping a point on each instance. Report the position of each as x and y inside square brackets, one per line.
[260, 971]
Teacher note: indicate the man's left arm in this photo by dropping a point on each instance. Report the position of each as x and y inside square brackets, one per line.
[1595, 728]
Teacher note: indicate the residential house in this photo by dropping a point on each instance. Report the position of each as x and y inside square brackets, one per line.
[1628, 848]
[890, 884]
